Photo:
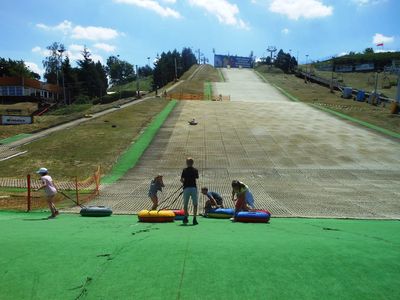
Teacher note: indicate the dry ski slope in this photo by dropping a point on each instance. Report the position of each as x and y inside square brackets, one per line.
[297, 160]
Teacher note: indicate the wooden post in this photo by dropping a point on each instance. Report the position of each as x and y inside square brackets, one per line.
[28, 198]
[97, 180]
[76, 190]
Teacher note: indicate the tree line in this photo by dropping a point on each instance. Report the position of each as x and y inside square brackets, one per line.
[283, 61]
[89, 79]
[16, 68]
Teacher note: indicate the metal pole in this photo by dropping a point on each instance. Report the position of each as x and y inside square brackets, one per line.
[199, 62]
[398, 88]
[137, 82]
[333, 69]
[62, 74]
[376, 83]
[76, 190]
[28, 198]
[176, 70]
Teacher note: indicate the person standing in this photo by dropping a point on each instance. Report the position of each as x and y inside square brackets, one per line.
[155, 185]
[50, 190]
[188, 179]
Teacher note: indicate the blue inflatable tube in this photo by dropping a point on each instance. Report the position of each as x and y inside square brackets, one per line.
[221, 213]
[261, 216]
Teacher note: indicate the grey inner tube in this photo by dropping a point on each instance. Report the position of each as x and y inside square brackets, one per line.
[96, 211]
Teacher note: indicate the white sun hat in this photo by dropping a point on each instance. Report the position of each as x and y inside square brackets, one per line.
[42, 171]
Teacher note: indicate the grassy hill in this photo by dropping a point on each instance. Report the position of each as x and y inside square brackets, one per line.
[145, 84]
[195, 84]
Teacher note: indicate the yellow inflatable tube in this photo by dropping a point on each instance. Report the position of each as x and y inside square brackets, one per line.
[155, 216]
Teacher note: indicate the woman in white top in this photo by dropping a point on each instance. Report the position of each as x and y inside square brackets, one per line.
[50, 190]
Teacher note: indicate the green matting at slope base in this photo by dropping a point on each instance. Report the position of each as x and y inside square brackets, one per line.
[14, 138]
[73, 257]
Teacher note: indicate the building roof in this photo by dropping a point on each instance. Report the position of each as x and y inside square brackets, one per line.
[29, 82]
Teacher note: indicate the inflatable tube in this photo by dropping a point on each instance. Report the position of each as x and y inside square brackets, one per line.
[96, 211]
[179, 214]
[221, 213]
[155, 216]
[258, 216]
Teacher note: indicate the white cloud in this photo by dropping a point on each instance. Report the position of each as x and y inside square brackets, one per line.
[74, 52]
[34, 67]
[380, 38]
[92, 33]
[96, 58]
[36, 49]
[65, 26]
[295, 9]
[285, 31]
[225, 11]
[384, 50]
[367, 2]
[154, 6]
[105, 47]
[41, 51]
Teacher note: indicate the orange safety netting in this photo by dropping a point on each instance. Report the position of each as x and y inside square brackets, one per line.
[21, 194]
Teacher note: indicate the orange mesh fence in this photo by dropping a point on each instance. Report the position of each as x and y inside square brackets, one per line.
[184, 96]
[21, 194]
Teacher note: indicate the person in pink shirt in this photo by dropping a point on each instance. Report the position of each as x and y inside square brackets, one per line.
[50, 190]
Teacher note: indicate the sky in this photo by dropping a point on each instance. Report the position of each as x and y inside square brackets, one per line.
[138, 30]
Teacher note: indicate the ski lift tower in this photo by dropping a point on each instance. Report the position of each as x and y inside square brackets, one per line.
[271, 50]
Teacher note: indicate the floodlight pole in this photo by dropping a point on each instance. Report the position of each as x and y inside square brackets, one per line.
[137, 82]
[62, 73]
[398, 87]
[333, 70]
[176, 70]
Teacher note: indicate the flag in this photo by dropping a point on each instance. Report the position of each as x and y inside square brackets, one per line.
[380, 45]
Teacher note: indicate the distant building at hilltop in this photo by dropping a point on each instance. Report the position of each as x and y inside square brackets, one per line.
[229, 61]
[21, 89]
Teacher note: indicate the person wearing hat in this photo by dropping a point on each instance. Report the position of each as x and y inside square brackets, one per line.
[155, 185]
[49, 189]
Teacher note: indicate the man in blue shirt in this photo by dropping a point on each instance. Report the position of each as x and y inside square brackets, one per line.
[214, 200]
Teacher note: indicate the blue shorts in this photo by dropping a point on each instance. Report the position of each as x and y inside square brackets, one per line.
[190, 192]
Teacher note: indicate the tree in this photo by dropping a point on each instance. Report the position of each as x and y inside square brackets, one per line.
[52, 64]
[368, 50]
[145, 71]
[188, 59]
[92, 76]
[70, 80]
[285, 61]
[169, 63]
[17, 68]
[119, 71]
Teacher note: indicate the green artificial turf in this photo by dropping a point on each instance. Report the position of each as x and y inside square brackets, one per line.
[73, 257]
[14, 138]
[129, 159]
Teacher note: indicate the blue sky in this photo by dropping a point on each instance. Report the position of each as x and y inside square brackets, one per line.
[137, 29]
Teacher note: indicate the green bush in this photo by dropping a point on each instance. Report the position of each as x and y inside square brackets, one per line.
[70, 109]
